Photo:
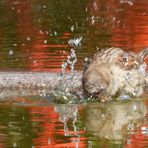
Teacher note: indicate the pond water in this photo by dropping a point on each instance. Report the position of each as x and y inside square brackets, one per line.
[35, 39]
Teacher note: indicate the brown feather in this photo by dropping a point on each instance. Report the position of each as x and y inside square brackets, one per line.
[112, 70]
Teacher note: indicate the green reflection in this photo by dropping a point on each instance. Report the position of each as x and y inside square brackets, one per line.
[44, 28]
[16, 125]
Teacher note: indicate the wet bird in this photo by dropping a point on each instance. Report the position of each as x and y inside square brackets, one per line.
[113, 71]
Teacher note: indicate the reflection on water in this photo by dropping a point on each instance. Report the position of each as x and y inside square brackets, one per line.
[38, 35]
[112, 117]
[15, 127]
[40, 124]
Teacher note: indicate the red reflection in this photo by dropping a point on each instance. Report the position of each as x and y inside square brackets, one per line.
[131, 29]
[138, 140]
[2, 141]
[41, 59]
[35, 43]
[52, 131]
[126, 21]
[140, 136]
[127, 24]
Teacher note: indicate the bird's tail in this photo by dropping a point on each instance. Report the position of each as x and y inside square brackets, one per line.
[142, 54]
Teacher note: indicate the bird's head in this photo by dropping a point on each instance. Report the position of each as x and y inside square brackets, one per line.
[94, 83]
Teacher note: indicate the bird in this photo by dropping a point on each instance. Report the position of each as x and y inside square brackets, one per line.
[113, 71]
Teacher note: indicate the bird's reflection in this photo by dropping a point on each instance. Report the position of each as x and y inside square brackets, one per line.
[113, 120]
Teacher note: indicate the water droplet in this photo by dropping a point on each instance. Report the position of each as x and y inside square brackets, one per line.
[35, 61]
[49, 142]
[41, 32]
[14, 145]
[15, 44]
[95, 5]
[45, 41]
[44, 6]
[28, 39]
[71, 61]
[72, 28]
[114, 18]
[86, 9]
[13, 8]
[92, 19]
[75, 42]
[47, 32]
[55, 33]
[11, 52]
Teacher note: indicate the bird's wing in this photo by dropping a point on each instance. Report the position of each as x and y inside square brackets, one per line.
[142, 55]
[128, 61]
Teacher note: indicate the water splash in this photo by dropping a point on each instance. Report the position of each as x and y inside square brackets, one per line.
[71, 61]
[75, 42]
[68, 90]
[71, 58]
[130, 2]
[51, 86]
[11, 52]
[64, 92]
[63, 88]
[67, 113]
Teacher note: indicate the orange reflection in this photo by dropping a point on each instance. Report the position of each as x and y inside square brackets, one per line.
[125, 23]
[131, 26]
[35, 44]
[41, 59]
[140, 136]
[139, 139]
[52, 130]
[128, 22]
[2, 141]
[118, 23]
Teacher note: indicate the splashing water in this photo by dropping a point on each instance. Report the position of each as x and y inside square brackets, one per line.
[68, 89]
[130, 2]
[71, 61]
[57, 88]
[75, 42]
[69, 114]
[71, 58]
[47, 85]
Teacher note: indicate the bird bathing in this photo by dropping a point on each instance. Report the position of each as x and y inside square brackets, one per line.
[113, 72]
[124, 78]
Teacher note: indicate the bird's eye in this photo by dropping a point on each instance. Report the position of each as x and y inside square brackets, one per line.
[102, 86]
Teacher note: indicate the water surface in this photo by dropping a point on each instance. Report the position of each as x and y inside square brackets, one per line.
[38, 123]
[37, 36]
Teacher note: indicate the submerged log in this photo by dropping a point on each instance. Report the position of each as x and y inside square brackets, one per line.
[35, 83]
